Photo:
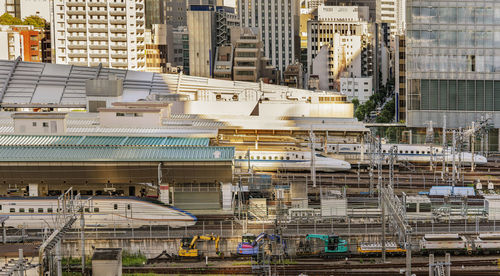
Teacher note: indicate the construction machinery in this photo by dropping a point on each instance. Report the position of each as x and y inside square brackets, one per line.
[250, 244]
[188, 246]
[332, 245]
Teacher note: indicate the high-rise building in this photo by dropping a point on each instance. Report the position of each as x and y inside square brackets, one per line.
[208, 27]
[393, 13]
[278, 23]
[400, 79]
[178, 49]
[345, 34]
[156, 48]
[107, 32]
[371, 4]
[452, 62]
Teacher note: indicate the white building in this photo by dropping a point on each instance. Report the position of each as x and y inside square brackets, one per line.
[278, 22]
[88, 33]
[11, 43]
[357, 88]
[393, 13]
[342, 29]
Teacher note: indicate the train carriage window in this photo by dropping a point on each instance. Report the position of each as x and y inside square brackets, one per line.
[21, 210]
[31, 210]
[411, 152]
[40, 210]
[115, 206]
[302, 157]
[0, 207]
[384, 151]
[239, 157]
[251, 158]
[411, 207]
[406, 151]
[49, 210]
[281, 157]
[96, 210]
[400, 151]
[128, 206]
[87, 210]
[276, 158]
[296, 156]
[263, 158]
[288, 158]
[258, 157]
[12, 210]
[425, 207]
[428, 152]
[418, 152]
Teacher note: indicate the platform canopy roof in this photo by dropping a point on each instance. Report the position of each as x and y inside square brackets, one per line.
[89, 153]
[80, 140]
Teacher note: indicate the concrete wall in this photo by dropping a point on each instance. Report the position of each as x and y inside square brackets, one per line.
[140, 120]
[106, 268]
[39, 126]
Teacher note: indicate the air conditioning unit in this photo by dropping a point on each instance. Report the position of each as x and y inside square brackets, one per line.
[491, 186]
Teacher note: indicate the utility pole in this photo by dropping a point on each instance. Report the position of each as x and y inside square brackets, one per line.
[473, 143]
[82, 237]
[313, 161]
[453, 152]
[381, 200]
[444, 148]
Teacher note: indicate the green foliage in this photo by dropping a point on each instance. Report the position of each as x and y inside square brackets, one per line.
[387, 113]
[355, 102]
[7, 19]
[135, 259]
[37, 21]
[34, 20]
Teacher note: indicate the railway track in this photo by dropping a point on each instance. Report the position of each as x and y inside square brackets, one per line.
[468, 267]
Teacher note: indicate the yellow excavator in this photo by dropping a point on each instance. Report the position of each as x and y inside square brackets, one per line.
[188, 246]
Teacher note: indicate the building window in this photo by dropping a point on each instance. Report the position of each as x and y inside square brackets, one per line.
[34, 124]
[119, 114]
[45, 124]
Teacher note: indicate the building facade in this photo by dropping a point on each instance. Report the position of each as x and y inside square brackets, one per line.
[178, 49]
[452, 62]
[345, 34]
[392, 12]
[202, 40]
[278, 23]
[357, 88]
[22, 41]
[104, 32]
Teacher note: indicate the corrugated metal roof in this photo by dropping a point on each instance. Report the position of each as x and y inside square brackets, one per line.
[113, 153]
[60, 140]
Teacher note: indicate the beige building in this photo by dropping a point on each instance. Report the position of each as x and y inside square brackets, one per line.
[134, 115]
[250, 64]
[39, 122]
[202, 39]
[107, 32]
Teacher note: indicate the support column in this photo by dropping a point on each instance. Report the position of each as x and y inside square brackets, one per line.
[431, 264]
[447, 260]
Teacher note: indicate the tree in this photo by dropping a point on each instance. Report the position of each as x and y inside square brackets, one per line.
[35, 20]
[355, 102]
[7, 19]
[360, 113]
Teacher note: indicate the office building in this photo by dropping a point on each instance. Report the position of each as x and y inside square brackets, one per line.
[393, 13]
[104, 32]
[356, 88]
[293, 76]
[344, 35]
[278, 23]
[400, 79]
[156, 48]
[178, 49]
[452, 63]
[224, 63]
[370, 4]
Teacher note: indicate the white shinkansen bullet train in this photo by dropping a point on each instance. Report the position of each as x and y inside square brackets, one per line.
[288, 160]
[103, 212]
[412, 153]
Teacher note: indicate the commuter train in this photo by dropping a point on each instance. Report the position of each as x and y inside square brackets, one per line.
[102, 212]
[289, 160]
[411, 153]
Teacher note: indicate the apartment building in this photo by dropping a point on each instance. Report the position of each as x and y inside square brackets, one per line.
[22, 41]
[357, 88]
[93, 32]
[278, 24]
[178, 49]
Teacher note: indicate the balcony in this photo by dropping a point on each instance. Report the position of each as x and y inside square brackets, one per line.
[98, 12]
[139, 5]
[75, 4]
[98, 47]
[76, 21]
[118, 30]
[119, 38]
[76, 38]
[119, 64]
[79, 63]
[77, 46]
[98, 30]
[117, 5]
[98, 38]
[75, 12]
[97, 4]
[119, 56]
[118, 13]
[98, 21]
[98, 55]
[118, 21]
[77, 55]
[118, 47]
[104, 64]
[72, 30]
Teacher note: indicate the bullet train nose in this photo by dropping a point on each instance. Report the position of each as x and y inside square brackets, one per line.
[480, 160]
[345, 165]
